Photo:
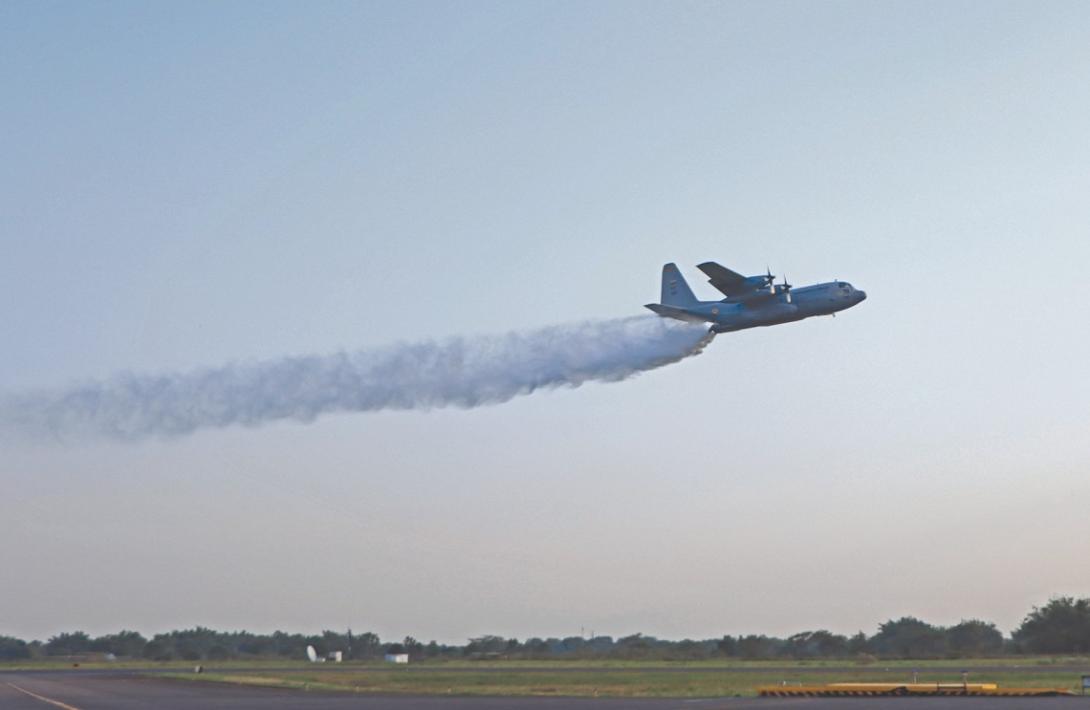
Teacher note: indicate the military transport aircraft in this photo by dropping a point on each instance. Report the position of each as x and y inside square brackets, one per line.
[751, 301]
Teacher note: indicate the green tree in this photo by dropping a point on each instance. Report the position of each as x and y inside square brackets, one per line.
[908, 637]
[809, 644]
[13, 648]
[489, 644]
[572, 645]
[690, 650]
[858, 644]
[334, 641]
[190, 644]
[68, 644]
[974, 638]
[754, 646]
[634, 646]
[160, 648]
[1061, 626]
[366, 645]
[414, 648]
[129, 644]
[218, 652]
[536, 648]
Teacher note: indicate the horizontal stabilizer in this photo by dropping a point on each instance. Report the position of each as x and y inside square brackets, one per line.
[672, 312]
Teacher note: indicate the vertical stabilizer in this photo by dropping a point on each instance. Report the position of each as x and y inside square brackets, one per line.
[675, 292]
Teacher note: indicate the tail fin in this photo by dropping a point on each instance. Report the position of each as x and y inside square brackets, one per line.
[675, 292]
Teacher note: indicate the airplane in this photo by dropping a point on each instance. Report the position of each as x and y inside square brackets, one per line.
[751, 301]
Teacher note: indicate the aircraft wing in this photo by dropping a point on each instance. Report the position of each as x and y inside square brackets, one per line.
[728, 282]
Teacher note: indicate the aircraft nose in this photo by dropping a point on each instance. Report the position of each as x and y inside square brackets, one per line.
[862, 295]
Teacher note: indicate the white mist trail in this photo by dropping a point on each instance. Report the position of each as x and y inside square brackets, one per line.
[459, 372]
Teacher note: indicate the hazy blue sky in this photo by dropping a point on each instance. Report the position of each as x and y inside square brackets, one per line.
[189, 184]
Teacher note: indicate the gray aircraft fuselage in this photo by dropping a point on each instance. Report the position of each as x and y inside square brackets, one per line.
[756, 307]
[808, 301]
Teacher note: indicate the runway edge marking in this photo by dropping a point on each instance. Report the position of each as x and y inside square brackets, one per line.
[44, 699]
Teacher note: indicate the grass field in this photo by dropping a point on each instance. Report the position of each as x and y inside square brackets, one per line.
[644, 679]
[1045, 663]
[715, 678]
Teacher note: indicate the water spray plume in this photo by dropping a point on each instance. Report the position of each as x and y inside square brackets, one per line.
[461, 372]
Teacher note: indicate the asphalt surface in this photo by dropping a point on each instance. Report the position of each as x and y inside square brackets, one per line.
[76, 690]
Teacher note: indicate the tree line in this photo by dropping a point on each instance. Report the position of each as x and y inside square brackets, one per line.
[1060, 626]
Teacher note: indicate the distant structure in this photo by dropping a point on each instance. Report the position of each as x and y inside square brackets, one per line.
[312, 655]
[397, 658]
[335, 656]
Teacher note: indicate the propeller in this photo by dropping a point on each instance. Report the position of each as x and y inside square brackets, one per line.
[769, 279]
[786, 287]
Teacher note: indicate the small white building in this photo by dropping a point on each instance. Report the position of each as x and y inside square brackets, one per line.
[335, 656]
[397, 658]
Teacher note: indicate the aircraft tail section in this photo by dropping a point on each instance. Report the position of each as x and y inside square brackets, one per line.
[675, 292]
[674, 312]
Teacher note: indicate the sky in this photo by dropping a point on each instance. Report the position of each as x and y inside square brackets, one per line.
[192, 184]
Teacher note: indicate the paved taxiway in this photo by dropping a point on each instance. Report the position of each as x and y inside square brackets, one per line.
[75, 690]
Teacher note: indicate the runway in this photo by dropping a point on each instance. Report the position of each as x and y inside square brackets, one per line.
[120, 690]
